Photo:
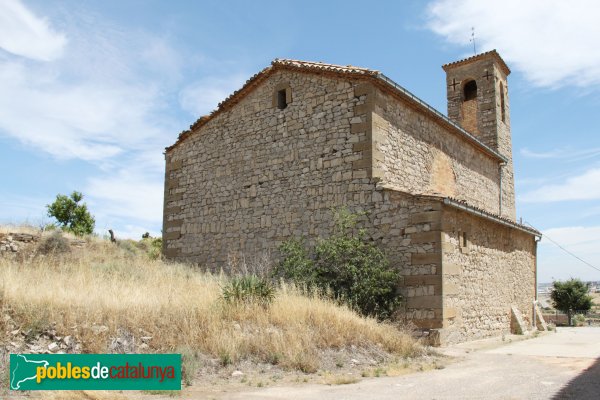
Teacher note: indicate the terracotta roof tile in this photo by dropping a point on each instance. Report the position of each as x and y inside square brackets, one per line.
[491, 53]
[321, 66]
[462, 204]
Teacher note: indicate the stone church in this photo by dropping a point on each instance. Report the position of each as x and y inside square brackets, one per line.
[300, 138]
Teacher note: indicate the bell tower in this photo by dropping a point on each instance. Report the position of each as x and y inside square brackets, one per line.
[477, 93]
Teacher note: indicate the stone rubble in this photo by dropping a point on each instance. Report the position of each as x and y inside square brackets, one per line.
[14, 242]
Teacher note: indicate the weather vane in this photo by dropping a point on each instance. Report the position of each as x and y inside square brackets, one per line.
[473, 40]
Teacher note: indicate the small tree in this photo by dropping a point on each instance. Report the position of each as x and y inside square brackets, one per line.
[571, 296]
[71, 214]
[349, 265]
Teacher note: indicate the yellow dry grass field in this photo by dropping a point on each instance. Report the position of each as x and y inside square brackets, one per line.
[98, 292]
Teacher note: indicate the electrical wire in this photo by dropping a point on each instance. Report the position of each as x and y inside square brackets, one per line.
[565, 250]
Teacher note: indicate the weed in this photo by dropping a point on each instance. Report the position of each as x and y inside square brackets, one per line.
[248, 289]
[189, 365]
[225, 358]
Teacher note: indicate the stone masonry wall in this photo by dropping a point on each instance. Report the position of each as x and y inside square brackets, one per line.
[256, 175]
[484, 278]
[417, 155]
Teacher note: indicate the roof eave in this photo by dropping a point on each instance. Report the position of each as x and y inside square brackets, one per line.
[489, 216]
[492, 53]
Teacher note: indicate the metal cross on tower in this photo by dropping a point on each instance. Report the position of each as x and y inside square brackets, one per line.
[473, 40]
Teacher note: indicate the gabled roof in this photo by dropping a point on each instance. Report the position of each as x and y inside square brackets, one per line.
[321, 66]
[348, 71]
[493, 54]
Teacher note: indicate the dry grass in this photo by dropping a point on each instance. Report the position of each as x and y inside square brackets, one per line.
[104, 284]
[20, 228]
[337, 379]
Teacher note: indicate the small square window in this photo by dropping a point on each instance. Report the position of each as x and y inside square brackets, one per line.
[281, 99]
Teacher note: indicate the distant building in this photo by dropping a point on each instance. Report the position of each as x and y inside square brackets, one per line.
[302, 137]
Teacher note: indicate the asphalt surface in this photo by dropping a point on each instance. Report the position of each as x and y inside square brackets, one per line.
[561, 365]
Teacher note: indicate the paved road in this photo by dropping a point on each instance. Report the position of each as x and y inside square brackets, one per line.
[562, 365]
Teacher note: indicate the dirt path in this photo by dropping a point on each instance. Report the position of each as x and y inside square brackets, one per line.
[562, 365]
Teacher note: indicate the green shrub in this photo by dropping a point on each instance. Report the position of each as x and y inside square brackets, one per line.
[248, 289]
[153, 247]
[54, 244]
[348, 264]
[296, 264]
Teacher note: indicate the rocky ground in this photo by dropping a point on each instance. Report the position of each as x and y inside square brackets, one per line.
[210, 377]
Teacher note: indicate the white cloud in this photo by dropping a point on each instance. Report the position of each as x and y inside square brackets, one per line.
[553, 42]
[556, 263]
[581, 187]
[84, 117]
[24, 34]
[564, 154]
[103, 101]
[203, 96]
[575, 238]
[128, 195]
[106, 99]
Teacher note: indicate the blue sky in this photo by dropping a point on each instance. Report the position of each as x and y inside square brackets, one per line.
[92, 92]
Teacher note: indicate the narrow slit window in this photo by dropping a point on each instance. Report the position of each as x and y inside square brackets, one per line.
[281, 99]
[464, 240]
[502, 106]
